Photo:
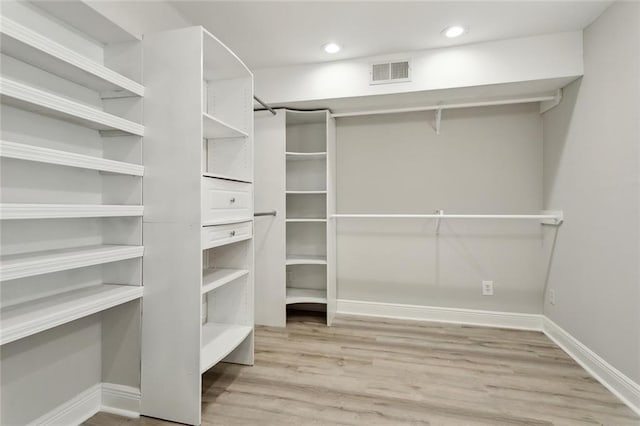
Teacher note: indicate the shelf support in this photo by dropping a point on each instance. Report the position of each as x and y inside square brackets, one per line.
[439, 213]
[438, 119]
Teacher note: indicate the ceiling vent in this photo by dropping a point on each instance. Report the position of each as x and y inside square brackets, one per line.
[390, 72]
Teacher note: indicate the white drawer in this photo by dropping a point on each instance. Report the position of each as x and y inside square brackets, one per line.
[219, 235]
[224, 201]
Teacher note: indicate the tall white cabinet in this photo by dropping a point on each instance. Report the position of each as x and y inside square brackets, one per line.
[295, 172]
[71, 213]
[198, 227]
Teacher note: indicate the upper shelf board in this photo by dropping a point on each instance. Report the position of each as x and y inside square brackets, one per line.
[220, 63]
[35, 49]
[213, 128]
[82, 16]
[37, 154]
[41, 102]
[306, 117]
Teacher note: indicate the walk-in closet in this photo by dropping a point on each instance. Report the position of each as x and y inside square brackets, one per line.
[319, 212]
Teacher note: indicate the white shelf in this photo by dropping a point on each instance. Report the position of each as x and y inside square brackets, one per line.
[15, 266]
[225, 177]
[28, 46]
[305, 192]
[303, 219]
[215, 278]
[21, 151]
[60, 211]
[294, 156]
[28, 318]
[306, 295]
[35, 100]
[293, 259]
[213, 128]
[227, 221]
[86, 19]
[219, 340]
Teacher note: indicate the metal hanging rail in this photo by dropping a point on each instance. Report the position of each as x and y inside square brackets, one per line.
[269, 213]
[258, 100]
[547, 217]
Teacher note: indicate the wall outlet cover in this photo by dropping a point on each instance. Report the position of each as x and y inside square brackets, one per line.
[487, 288]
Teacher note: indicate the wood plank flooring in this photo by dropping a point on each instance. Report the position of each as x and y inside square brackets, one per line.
[366, 371]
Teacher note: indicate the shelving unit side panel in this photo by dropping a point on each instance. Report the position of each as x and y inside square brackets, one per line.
[170, 380]
[172, 112]
[269, 231]
[332, 292]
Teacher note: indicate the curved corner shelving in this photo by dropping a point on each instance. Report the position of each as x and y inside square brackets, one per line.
[305, 295]
[213, 128]
[216, 278]
[41, 102]
[28, 318]
[14, 266]
[64, 211]
[293, 259]
[219, 340]
[35, 49]
[36, 154]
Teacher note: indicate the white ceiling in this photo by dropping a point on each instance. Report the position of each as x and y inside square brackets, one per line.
[280, 33]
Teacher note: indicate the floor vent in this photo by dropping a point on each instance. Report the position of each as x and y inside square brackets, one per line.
[390, 72]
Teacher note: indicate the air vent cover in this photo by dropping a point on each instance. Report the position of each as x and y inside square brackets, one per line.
[390, 72]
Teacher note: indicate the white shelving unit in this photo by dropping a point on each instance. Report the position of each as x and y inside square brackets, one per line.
[198, 219]
[298, 246]
[70, 203]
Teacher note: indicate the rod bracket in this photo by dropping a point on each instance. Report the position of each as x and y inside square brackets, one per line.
[547, 105]
[556, 221]
[439, 213]
[438, 119]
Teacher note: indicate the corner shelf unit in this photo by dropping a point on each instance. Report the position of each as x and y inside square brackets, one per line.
[70, 201]
[201, 162]
[300, 244]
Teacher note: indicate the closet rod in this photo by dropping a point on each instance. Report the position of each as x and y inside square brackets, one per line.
[556, 217]
[270, 213]
[446, 106]
[271, 110]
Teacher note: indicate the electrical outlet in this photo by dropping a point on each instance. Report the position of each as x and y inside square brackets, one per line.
[487, 288]
[552, 297]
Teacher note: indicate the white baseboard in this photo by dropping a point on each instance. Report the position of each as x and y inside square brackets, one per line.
[438, 314]
[614, 380]
[121, 400]
[74, 411]
[107, 397]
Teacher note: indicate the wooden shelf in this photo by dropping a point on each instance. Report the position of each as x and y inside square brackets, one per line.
[305, 192]
[61, 211]
[25, 152]
[35, 100]
[225, 177]
[219, 340]
[304, 219]
[306, 295]
[295, 156]
[216, 278]
[213, 128]
[305, 260]
[34, 49]
[28, 318]
[22, 265]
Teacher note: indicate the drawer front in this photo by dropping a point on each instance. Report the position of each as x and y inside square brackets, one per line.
[219, 235]
[224, 200]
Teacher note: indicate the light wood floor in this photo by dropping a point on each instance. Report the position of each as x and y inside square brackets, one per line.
[365, 371]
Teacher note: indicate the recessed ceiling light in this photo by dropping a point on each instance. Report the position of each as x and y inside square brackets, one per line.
[454, 31]
[331, 48]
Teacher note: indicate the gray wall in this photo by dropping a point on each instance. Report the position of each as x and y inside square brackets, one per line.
[592, 172]
[486, 160]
